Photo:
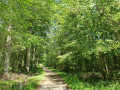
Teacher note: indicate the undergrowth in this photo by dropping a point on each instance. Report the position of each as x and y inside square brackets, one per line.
[33, 80]
[76, 83]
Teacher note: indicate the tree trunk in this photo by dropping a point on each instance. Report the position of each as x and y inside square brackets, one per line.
[7, 54]
[28, 59]
[1, 57]
[36, 62]
[21, 60]
[33, 59]
[103, 66]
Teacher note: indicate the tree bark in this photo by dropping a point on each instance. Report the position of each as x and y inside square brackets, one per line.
[28, 59]
[7, 54]
[1, 57]
[36, 62]
[33, 58]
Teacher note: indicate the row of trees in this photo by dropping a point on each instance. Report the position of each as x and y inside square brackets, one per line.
[23, 28]
[85, 37]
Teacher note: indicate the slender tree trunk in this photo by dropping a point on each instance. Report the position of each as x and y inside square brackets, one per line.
[20, 60]
[33, 58]
[1, 57]
[28, 59]
[7, 54]
[36, 62]
[106, 67]
[103, 66]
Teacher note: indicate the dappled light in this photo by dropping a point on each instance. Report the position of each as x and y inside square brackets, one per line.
[59, 44]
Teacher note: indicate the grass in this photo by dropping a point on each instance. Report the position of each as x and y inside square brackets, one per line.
[34, 82]
[24, 81]
[6, 85]
[76, 83]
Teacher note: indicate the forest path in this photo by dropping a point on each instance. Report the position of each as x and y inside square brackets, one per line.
[52, 81]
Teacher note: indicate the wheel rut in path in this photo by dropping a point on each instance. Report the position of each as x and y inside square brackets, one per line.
[52, 82]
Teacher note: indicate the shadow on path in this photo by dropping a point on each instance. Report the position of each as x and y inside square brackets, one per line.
[52, 82]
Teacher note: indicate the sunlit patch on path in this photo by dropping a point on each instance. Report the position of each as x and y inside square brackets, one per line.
[52, 82]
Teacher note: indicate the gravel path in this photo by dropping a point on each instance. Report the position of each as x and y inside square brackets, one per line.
[52, 82]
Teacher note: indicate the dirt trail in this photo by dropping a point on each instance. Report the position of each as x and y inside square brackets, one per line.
[52, 82]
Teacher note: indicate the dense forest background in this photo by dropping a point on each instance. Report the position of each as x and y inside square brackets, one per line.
[71, 35]
[86, 37]
[23, 28]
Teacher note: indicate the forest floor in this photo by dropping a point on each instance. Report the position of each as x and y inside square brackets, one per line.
[52, 81]
[86, 81]
[19, 80]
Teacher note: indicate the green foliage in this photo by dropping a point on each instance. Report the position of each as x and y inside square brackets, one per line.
[30, 21]
[77, 82]
[31, 84]
[85, 37]
[34, 82]
[71, 35]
